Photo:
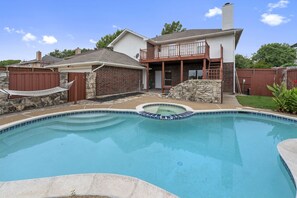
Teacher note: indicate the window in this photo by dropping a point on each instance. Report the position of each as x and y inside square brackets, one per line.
[195, 74]
[168, 78]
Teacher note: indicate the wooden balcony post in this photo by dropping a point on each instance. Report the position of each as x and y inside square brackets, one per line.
[204, 69]
[163, 76]
[221, 63]
[147, 77]
[221, 69]
[181, 71]
[75, 90]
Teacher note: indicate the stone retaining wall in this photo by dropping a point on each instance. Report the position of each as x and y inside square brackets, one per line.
[24, 103]
[209, 91]
[90, 85]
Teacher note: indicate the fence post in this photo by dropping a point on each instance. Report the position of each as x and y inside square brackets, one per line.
[75, 90]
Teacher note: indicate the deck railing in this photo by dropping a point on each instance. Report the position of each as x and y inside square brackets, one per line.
[199, 48]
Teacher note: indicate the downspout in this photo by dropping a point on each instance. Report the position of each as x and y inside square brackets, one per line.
[234, 66]
[98, 67]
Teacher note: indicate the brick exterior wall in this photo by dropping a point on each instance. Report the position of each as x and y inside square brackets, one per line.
[228, 77]
[115, 80]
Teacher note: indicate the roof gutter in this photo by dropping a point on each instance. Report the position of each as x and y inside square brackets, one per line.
[97, 63]
[194, 37]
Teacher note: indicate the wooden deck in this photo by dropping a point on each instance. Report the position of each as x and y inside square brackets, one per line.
[172, 52]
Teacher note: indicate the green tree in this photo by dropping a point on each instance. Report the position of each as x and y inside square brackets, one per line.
[175, 26]
[243, 61]
[274, 54]
[107, 39]
[9, 62]
[66, 53]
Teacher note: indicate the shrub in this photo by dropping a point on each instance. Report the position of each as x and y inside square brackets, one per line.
[286, 100]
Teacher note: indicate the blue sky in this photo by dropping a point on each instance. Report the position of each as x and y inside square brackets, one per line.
[27, 26]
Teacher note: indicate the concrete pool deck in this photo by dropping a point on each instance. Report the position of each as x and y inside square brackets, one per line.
[83, 185]
[107, 185]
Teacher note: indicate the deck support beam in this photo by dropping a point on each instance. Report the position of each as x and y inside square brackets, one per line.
[163, 76]
[181, 71]
[204, 69]
[147, 77]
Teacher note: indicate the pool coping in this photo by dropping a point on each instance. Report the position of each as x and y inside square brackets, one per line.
[109, 185]
[288, 152]
[284, 155]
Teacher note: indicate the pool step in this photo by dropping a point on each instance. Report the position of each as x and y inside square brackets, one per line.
[87, 116]
[87, 127]
[92, 120]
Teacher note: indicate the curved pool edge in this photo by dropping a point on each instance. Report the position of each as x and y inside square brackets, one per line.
[107, 185]
[288, 152]
[136, 112]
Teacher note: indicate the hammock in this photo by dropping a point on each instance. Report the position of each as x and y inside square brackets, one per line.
[37, 93]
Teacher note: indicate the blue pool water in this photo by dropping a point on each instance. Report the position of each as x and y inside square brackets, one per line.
[208, 156]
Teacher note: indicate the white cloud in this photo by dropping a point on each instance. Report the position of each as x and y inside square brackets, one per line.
[49, 40]
[29, 37]
[93, 41]
[8, 29]
[116, 27]
[213, 12]
[12, 30]
[273, 19]
[20, 32]
[280, 4]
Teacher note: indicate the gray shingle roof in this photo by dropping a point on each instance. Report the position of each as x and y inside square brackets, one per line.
[295, 45]
[45, 59]
[101, 55]
[187, 33]
[50, 59]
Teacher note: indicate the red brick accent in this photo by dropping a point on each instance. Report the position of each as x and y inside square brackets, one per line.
[115, 80]
[228, 76]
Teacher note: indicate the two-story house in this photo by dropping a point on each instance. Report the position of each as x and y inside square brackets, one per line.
[191, 54]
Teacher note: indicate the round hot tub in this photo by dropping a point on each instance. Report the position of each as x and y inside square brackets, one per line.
[164, 111]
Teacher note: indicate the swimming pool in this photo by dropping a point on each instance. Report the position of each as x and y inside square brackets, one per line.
[227, 154]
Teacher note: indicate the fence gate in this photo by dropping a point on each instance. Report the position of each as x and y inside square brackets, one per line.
[79, 85]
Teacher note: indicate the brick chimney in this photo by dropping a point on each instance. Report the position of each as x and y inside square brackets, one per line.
[77, 51]
[38, 55]
[228, 20]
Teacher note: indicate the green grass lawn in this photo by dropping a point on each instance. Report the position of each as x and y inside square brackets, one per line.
[262, 102]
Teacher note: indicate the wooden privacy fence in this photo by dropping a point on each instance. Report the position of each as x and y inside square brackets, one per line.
[29, 81]
[291, 78]
[255, 81]
[24, 69]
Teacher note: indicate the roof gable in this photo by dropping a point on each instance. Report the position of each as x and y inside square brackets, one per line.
[126, 31]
